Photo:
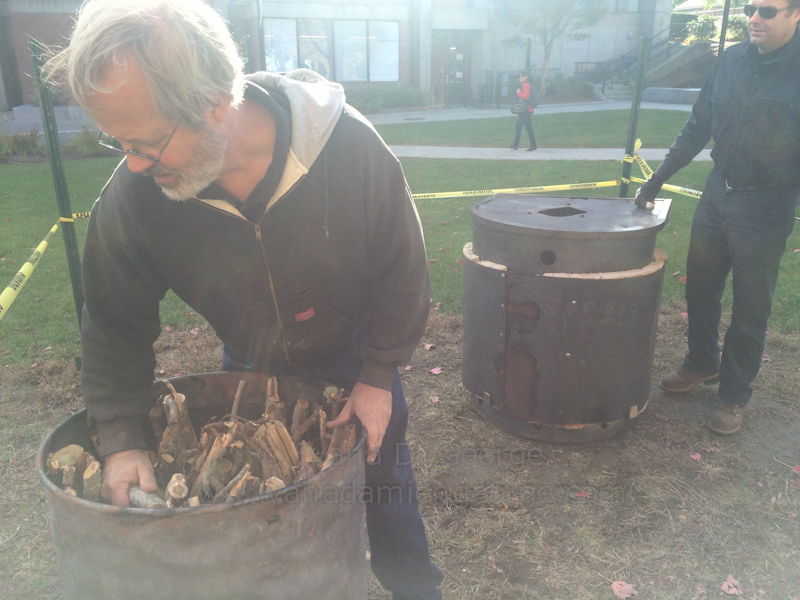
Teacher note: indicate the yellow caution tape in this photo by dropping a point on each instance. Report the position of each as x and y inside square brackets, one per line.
[9, 294]
[673, 188]
[648, 173]
[519, 190]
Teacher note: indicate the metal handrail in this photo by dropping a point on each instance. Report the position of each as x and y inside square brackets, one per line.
[623, 67]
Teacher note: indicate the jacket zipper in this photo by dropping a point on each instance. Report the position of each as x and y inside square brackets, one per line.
[257, 228]
[278, 316]
[275, 304]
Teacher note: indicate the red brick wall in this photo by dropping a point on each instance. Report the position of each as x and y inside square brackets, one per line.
[50, 29]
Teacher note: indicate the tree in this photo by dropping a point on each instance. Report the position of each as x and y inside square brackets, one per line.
[547, 21]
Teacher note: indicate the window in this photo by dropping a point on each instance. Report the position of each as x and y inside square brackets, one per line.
[384, 51]
[342, 50]
[316, 45]
[280, 44]
[351, 50]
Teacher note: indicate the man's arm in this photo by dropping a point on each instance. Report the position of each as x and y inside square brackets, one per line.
[694, 136]
[119, 325]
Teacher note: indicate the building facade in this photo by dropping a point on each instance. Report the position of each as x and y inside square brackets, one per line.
[446, 47]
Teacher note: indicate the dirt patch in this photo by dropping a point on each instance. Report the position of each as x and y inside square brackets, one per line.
[511, 518]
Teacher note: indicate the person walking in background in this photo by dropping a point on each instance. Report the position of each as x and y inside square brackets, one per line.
[524, 118]
[749, 105]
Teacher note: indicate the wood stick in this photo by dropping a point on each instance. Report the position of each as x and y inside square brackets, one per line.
[275, 410]
[92, 481]
[221, 495]
[183, 435]
[343, 435]
[324, 434]
[299, 431]
[177, 488]
[141, 499]
[299, 415]
[237, 398]
[272, 484]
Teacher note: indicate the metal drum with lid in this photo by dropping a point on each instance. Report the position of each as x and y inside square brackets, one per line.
[561, 299]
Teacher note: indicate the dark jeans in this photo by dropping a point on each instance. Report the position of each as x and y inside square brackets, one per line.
[744, 233]
[397, 540]
[524, 119]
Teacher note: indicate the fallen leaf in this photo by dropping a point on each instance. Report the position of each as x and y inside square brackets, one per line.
[622, 589]
[682, 279]
[430, 346]
[436, 371]
[696, 456]
[731, 586]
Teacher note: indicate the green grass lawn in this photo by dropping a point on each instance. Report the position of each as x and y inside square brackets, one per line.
[43, 317]
[597, 129]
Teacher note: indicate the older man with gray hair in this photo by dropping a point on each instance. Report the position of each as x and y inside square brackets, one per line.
[274, 210]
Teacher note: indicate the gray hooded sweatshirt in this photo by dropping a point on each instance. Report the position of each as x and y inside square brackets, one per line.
[326, 243]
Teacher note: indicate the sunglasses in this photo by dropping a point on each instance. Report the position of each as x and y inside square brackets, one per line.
[765, 12]
[112, 144]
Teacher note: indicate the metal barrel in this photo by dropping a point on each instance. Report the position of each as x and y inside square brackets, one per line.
[561, 299]
[304, 541]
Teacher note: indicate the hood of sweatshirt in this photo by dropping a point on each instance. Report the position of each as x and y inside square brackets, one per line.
[316, 106]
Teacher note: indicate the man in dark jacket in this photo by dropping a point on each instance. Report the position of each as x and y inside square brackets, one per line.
[750, 105]
[275, 211]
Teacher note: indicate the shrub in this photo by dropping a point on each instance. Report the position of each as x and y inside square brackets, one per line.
[374, 98]
[564, 88]
[85, 145]
[19, 144]
[704, 28]
[737, 29]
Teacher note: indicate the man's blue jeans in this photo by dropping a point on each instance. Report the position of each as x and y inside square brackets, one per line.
[743, 232]
[398, 544]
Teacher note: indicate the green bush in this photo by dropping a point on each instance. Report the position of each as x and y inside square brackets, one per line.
[567, 88]
[737, 29]
[704, 28]
[19, 144]
[84, 145]
[375, 98]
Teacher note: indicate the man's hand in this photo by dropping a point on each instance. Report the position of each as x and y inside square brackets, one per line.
[373, 407]
[124, 469]
[642, 200]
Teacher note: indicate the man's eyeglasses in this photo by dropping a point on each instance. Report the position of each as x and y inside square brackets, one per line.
[765, 12]
[112, 144]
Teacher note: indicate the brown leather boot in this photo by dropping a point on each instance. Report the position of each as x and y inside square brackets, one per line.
[726, 419]
[685, 380]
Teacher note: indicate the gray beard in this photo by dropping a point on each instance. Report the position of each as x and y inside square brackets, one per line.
[203, 170]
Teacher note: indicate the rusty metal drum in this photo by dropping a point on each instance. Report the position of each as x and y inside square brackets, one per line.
[304, 541]
[561, 299]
